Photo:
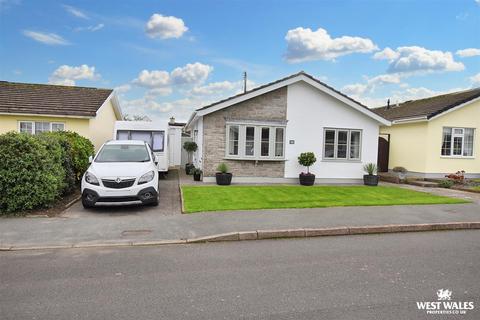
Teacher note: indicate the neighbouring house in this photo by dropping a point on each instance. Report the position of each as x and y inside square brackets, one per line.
[260, 133]
[433, 137]
[35, 108]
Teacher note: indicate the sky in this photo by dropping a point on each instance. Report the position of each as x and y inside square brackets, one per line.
[167, 58]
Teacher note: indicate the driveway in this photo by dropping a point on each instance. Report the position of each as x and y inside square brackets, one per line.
[169, 203]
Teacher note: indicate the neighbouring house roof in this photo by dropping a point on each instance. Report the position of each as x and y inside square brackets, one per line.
[428, 107]
[300, 76]
[43, 99]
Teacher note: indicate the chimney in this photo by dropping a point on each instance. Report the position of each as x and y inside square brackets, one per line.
[244, 81]
[388, 104]
[172, 120]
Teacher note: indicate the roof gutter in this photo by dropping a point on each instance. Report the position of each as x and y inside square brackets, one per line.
[410, 120]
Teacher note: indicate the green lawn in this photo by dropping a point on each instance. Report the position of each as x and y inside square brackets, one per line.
[220, 198]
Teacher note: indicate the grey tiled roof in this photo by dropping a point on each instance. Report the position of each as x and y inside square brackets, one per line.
[428, 107]
[43, 99]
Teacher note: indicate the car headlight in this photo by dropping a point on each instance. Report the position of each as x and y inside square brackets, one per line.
[90, 178]
[147, 177]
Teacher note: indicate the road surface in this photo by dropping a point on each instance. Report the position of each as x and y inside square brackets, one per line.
[350, 277]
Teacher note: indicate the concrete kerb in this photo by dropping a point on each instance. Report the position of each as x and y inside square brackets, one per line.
[269, 234]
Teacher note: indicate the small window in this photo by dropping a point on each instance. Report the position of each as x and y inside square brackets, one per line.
[58, 127]
[233, 136]
[158, 141]
[122, 134]
[457, 142]
[250, 141]
[26, 127]
[279, 142]
[342, 144]
[265, 142]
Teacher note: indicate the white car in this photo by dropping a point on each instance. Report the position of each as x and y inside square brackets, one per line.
[122, 171]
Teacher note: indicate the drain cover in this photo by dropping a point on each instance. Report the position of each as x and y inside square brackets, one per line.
[127, 233]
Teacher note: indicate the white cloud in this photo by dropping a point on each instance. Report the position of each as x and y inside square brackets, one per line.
[303, 44]
[67, 75]
[469, 52]
[123, 88]
[75, 12]
[165, 27]
[46, 38]
[371, 84]
[159, 92]
[410, 60]
[91, 28]
[386, 54]
[191, 73]
[152, 79]
[475, 79]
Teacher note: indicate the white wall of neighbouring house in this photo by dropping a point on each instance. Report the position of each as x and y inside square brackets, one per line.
[309, 111]
[174, 145]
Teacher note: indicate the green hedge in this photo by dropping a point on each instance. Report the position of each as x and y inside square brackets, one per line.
[35, 170]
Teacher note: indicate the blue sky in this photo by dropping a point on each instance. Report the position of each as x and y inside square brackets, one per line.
[169, 57]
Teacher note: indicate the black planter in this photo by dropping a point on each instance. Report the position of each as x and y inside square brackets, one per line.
[189, 168]
[223, 179]
[370, 180]
[307, 179]
[197, 176]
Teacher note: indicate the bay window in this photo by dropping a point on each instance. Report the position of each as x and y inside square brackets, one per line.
[255, 141]
[36, 127]
[457, 142]
[342, 144]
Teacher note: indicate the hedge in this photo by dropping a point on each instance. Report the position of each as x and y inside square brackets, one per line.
[35, 170]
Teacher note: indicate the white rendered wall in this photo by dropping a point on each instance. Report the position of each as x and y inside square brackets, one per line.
[175, 145]
[309, 111]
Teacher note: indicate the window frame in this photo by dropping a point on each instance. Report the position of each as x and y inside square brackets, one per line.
[349, 145]
[32, 122]
[456, 135]
[129, 132]
[257, 141]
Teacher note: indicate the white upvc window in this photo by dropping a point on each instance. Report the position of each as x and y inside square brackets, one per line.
[342, 144]
[36, 127]
[255, 141]
[457, 142]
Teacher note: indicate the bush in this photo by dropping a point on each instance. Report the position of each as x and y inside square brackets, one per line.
[81, 149]
[446, 183]
[222, 168]
[307, 159]
[31, 172]
[70, 178]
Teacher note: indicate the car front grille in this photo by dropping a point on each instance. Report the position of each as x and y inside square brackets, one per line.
[118, 184]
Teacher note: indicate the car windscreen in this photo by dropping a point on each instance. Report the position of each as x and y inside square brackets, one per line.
[123, 153]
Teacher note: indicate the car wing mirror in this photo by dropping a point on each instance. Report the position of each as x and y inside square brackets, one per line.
[90, 159]
[155, 159]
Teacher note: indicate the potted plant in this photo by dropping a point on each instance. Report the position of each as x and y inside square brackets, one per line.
[370, 179]
[190, 147]
[197, 174]
[223, 177]
[401, 172]
[307, 159]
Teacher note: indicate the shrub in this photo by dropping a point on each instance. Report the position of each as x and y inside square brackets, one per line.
[370, 168]
[307, 159]
[458, 177]
[446, 183]
[222, 168]
[190, 146]
[31, 172]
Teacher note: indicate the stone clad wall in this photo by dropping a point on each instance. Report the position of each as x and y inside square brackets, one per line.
[271, 106]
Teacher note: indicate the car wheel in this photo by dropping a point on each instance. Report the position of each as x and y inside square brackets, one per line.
[154, 203]
[86, 205]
